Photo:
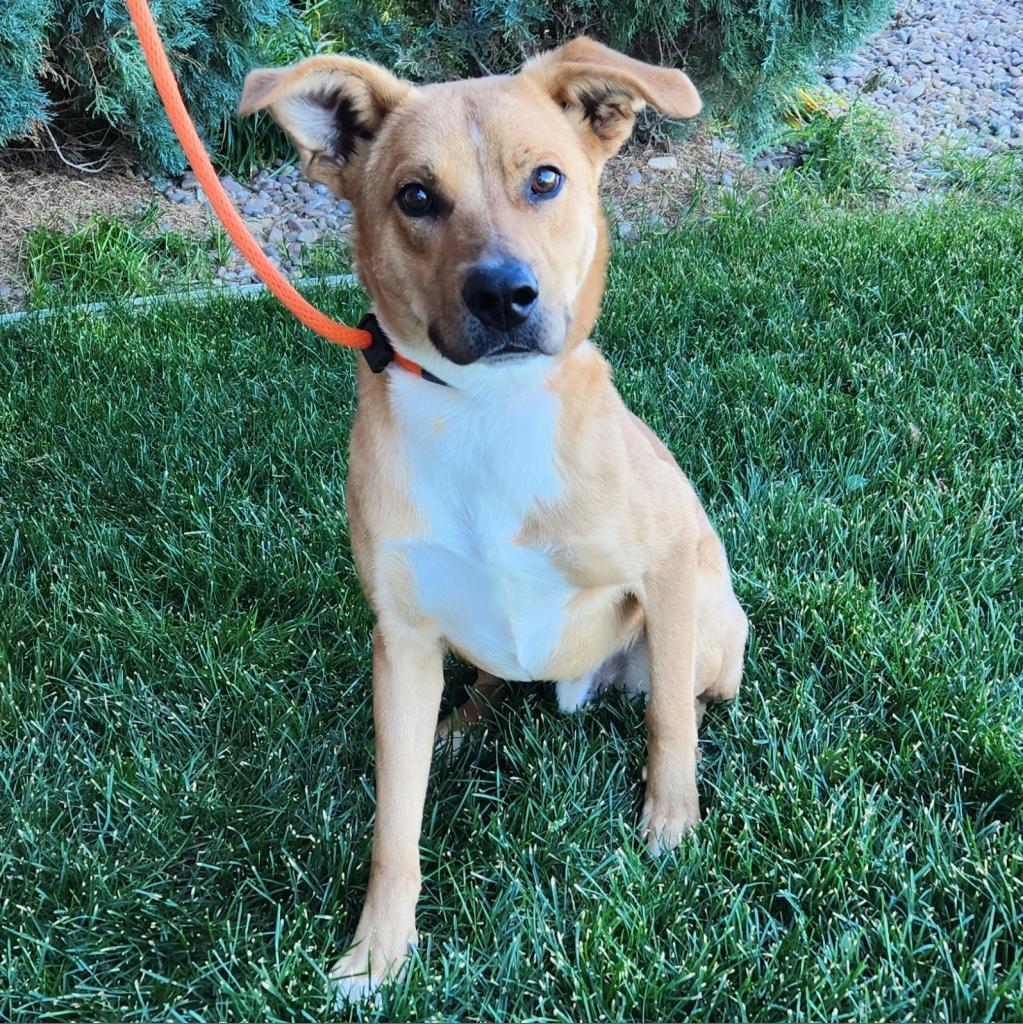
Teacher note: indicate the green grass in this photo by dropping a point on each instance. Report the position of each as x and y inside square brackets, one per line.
[996, 177]
[185, 748]
[111, 257]
[107, 258]
[845, 152]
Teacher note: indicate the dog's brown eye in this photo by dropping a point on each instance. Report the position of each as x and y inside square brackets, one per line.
[545, 181]
[415, 200]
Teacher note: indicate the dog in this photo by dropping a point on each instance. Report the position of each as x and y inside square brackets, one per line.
[503, 501]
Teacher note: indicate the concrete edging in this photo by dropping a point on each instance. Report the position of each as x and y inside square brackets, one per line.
[198, 296]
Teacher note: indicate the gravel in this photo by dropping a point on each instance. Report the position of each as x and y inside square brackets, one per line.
[285, 213]
[947, 71]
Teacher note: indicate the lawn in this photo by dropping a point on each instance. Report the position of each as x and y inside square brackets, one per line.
[185, 726]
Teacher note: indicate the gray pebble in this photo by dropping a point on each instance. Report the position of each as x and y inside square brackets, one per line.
[232, 188]
[663, 163]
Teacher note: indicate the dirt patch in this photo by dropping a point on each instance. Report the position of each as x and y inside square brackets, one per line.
[641, 192]
[64, 199]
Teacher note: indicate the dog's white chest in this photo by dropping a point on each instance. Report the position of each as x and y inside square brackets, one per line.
[478, 466]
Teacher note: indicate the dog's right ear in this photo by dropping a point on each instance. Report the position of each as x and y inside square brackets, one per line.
[331, 107]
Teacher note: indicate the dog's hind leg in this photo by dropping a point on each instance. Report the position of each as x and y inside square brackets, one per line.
[484, 695]
[618, 670]
[722, 627]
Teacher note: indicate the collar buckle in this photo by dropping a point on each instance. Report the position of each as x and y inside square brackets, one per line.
[379, 353]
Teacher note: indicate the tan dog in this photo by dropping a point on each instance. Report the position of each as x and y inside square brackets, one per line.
[516, 513]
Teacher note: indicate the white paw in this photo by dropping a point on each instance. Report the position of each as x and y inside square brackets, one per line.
[450, 733]
[358, 975]
[572, 694]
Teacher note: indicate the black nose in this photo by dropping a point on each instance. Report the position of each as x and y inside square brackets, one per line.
[500, 293]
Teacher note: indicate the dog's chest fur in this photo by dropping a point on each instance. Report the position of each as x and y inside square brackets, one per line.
[478, 465]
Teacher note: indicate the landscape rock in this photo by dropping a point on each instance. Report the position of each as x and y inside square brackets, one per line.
[663, 163]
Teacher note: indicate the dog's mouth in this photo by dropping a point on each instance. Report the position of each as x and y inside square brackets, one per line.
[472, 343]
[511, 350]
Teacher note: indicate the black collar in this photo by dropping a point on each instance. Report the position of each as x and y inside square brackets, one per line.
[380, 351]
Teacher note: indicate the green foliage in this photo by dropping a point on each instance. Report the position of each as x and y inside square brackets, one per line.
[22, 39]
[84, 53]
[845, 152]
[185, 714]
[93, 62]
[748, 57]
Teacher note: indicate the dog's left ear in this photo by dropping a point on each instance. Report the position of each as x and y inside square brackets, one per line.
[605, 89]
[330, 106]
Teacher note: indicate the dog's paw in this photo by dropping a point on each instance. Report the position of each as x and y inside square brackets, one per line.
[572, 694]
[666, 818]
[374, 961]
[451, 733]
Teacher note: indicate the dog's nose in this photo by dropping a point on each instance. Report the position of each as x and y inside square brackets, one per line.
[501, 293]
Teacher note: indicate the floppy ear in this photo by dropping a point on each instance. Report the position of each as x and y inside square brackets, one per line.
[605, 89]
[331, 107]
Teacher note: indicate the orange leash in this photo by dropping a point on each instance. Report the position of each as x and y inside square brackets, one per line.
[285, 292]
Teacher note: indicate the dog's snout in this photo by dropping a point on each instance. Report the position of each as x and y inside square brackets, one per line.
[501, 293]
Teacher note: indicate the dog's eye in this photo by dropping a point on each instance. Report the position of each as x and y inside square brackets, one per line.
[545, 181]
[415, 200]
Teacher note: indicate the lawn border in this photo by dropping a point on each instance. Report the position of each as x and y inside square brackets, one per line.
[197, 295]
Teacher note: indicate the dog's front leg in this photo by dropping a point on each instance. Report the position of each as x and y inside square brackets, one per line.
[407, 683]
[672, 805]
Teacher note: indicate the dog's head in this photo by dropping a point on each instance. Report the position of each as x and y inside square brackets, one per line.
[478, 230]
